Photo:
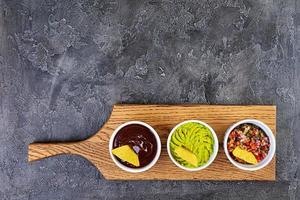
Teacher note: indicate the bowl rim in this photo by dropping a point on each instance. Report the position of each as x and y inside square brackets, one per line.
[135, 170]
[212, 157]
[271, 152]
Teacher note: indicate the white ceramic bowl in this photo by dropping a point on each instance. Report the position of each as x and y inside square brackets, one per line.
[135, 170]
[271, 152]
[212, 157]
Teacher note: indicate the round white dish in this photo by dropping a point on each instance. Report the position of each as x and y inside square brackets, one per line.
[212, 157]
[135, 170]
[271, 152]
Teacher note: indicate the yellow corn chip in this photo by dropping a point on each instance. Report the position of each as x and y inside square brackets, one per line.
[244, 155]
[187, 155]
[127, 154]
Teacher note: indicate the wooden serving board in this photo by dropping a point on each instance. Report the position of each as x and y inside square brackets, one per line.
[163, 118]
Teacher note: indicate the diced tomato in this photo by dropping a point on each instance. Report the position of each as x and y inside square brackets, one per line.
[232, 135]
[252, 145]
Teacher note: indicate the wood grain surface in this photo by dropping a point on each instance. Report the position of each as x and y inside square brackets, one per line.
[163, 118]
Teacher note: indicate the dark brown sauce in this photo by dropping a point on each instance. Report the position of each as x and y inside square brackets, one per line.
[140, 139]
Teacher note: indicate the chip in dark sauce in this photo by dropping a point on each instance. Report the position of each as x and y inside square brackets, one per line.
[140, 139]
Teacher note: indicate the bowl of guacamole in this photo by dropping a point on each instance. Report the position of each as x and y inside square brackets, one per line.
[192, 145]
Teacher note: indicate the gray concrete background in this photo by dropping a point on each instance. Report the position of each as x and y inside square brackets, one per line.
[64, 64]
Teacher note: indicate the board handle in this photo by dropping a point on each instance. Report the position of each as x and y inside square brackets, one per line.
[37, 151]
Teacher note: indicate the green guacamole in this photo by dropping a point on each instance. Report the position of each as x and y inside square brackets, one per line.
[196, 138]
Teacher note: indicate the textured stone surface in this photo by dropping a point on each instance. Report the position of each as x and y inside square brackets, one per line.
[63, 64]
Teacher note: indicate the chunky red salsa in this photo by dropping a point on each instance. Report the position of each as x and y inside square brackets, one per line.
[251, 138]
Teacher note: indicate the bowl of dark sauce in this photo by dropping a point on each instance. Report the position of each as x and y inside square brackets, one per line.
[142, 139]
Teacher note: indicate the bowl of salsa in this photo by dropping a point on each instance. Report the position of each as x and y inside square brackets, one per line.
[249, 144]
